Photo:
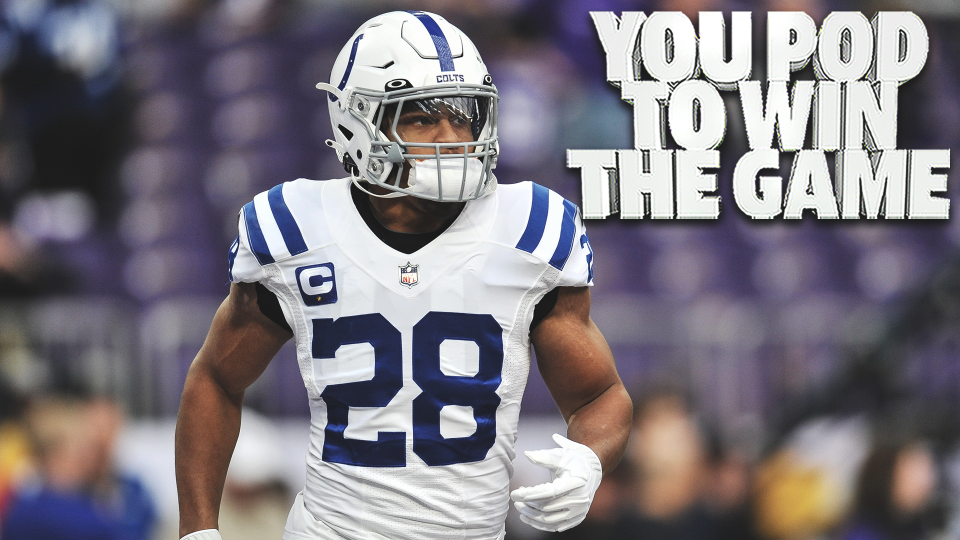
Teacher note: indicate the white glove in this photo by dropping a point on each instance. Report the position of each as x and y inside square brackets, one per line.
[563, 503]
[206, 534]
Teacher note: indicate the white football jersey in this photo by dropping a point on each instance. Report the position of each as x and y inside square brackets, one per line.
[414, 364]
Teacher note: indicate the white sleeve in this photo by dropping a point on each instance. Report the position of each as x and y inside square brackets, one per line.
[243, 264]
[578, 270]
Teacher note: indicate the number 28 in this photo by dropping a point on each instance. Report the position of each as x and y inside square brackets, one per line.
[439, 389]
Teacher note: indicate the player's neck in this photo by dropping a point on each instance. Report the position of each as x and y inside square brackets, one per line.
[413, 215]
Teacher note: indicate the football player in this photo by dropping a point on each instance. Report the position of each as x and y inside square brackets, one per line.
[414, 289]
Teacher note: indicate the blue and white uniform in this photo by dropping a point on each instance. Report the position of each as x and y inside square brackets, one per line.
[414, 364]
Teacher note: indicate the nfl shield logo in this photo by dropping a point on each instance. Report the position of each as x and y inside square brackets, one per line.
[409, 275]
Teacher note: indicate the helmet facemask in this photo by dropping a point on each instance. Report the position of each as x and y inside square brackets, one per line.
[440, 171]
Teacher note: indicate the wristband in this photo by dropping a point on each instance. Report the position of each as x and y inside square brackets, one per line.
[206, 534]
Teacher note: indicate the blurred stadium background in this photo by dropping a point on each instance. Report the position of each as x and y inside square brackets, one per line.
[774, 363]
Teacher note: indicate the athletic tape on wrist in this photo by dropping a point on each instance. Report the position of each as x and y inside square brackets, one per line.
[206, 534]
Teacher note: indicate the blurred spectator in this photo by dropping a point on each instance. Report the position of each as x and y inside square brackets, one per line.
[726, 492]
[806, 486]
[670, 458]
[62, 133]
[14, 446]
[894, 495]
[256, 497]
[17, 265]
[76, 493]
[793, 500]
[64, 122]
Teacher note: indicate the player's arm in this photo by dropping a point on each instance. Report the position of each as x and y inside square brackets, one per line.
[578, 368]
[240, 345]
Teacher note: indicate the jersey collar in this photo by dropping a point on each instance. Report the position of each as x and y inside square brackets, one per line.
[361, 245]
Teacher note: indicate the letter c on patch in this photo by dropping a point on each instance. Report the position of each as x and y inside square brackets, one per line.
[317, 283]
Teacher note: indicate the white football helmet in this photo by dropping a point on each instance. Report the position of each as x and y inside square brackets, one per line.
[404, 61]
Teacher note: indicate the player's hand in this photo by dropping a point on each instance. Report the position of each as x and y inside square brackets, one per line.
[564, 502]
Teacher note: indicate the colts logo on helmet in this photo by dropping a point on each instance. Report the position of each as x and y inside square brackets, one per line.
[318, 284]
[409, 275]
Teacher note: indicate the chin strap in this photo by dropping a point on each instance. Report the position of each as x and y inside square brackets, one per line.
[392, 195]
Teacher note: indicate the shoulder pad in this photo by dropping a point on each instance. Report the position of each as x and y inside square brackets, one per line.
[541, 222]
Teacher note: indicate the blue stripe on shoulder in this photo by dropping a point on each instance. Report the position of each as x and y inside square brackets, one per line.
[232, 257]
[258, 244]
[537, 220]
[439, 40]
[288, 226]
[567, 229]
